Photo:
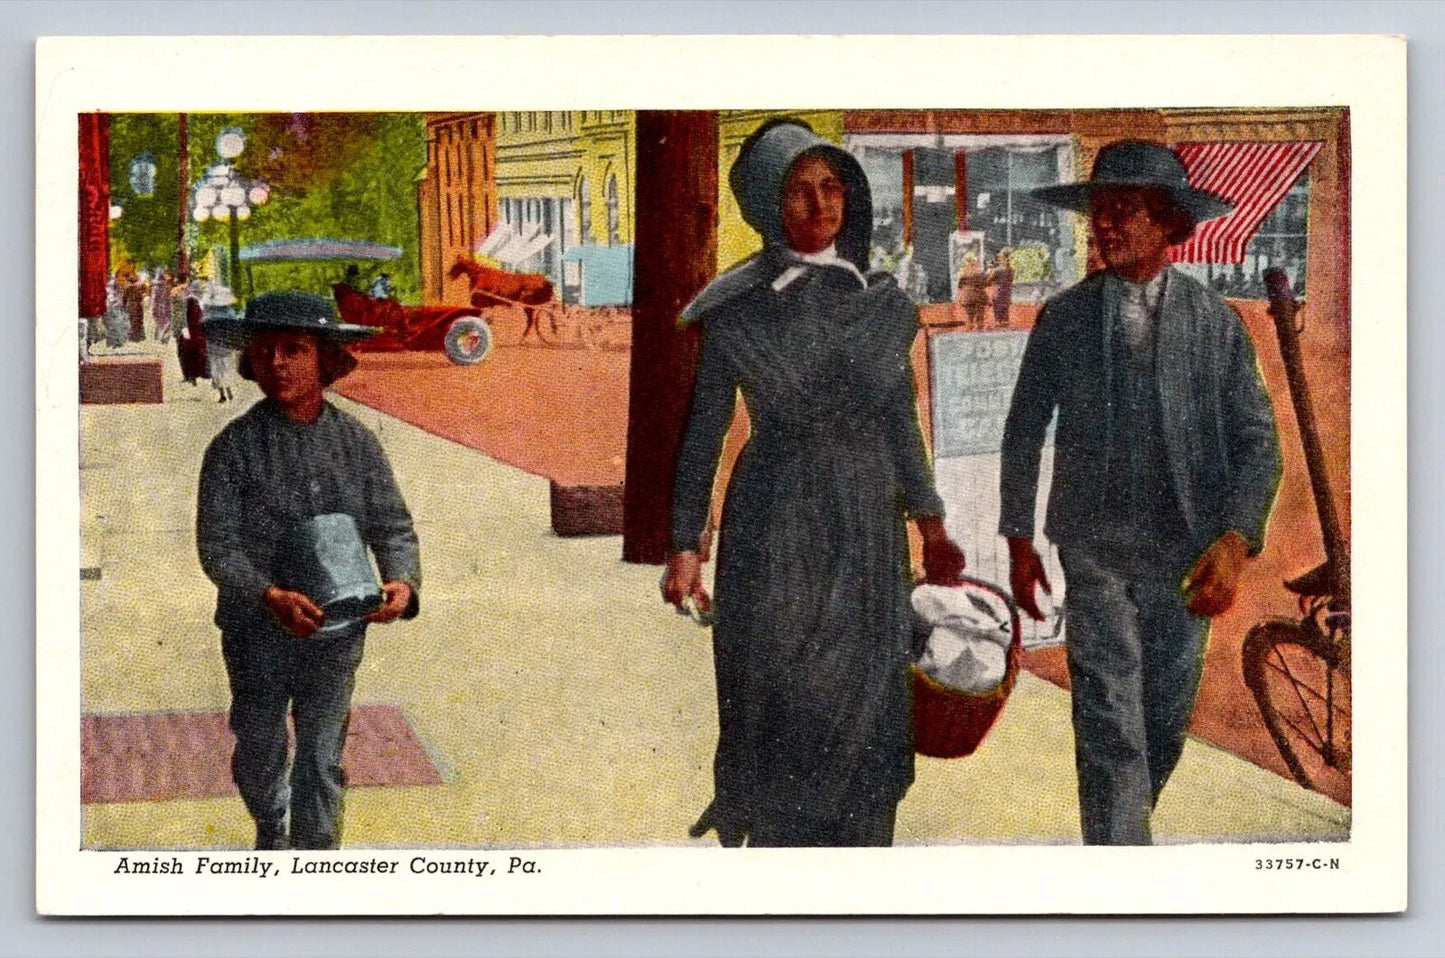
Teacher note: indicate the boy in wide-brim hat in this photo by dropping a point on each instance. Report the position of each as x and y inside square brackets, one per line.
[289, 458]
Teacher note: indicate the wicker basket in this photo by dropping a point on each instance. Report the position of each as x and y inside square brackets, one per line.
[948, 723]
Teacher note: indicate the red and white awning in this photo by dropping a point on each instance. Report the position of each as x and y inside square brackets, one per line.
[1256, 176]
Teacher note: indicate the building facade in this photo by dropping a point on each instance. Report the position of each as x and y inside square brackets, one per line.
[456, 198]
[948, 183]
[568, 175]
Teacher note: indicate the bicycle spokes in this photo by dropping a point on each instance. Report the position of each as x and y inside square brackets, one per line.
[1303, 696]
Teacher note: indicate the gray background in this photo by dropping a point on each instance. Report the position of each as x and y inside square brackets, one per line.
[1420, 932]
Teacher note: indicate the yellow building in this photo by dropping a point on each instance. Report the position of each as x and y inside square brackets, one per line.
[570, 175]
[735, 238]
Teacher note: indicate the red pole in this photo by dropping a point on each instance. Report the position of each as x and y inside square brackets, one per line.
[184, 165]
[960, 190]
[1343, 250]
[907, 198]
[94, 212]
[675, 257]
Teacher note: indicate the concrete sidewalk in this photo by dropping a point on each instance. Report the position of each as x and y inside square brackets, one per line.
[562, 701]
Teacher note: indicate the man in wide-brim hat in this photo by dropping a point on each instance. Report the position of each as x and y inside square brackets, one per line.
[289, 458]
[1166, 464]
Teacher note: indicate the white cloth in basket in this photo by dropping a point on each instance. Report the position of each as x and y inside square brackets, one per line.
[968, 637]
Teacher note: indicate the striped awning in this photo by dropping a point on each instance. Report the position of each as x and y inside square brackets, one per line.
[1256, 176]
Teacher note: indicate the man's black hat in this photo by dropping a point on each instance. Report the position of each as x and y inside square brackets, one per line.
[1138, 163]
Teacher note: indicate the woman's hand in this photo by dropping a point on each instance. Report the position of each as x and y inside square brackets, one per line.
[943, 560]
[683, 579]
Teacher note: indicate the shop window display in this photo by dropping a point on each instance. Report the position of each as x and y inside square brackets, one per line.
[922, 231]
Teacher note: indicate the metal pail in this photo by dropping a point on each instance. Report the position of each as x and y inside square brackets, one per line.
[325, 558]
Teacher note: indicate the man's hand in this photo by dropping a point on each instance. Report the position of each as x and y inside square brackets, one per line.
[296, 613]
[398, 597]
[943, 560]
[1026, 573]
[683, 579]
[1210, 586]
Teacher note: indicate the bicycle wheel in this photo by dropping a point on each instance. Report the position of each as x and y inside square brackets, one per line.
[1303, 694]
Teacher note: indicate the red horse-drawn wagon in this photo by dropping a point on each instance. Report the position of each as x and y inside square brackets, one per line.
[459, 331]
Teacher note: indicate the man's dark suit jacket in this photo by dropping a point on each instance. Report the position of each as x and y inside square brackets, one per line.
[1218, 423]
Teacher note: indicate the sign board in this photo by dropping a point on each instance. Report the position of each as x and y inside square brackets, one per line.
[972, 380]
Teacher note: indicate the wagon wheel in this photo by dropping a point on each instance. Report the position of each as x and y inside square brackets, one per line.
[1303, 694]
[468, 341]
[555, 327]
[508, 324]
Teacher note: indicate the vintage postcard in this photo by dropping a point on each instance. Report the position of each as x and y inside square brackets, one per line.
[718, 475]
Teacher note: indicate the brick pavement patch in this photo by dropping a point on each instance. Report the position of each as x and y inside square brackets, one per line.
[158, 756]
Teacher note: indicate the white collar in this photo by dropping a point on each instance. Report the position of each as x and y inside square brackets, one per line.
[822, 257]
[1151, 287]
[825, 257]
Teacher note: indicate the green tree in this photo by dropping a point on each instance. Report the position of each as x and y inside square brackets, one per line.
[146, 230]
[338, 176]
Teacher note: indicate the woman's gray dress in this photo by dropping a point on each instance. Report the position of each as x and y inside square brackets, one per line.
[812, 636]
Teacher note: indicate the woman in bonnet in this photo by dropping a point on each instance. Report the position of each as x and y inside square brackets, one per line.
[812, 632]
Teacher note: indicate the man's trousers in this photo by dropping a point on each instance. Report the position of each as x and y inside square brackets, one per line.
[273, 673]
[1135, 660]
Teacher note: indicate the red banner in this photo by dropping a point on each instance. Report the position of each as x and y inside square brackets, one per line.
[94, 212]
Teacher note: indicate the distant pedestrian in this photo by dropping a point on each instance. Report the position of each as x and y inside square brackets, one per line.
[190, 343]
[116, 323]
[381, 288]
[161, 305]
[132, 297]
[1001, 278]
[217, 314]
[972, 292]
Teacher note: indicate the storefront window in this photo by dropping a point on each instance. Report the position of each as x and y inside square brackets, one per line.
[1280, 241]
[884, 168]
[922, 232]
[614, 212]
[584, 210]
[1038, 238]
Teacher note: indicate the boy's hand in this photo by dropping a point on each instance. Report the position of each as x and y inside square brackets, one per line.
[398, 597]
[295, 611]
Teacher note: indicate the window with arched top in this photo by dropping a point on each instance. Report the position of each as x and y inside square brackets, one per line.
[614, 212]
[584, 210]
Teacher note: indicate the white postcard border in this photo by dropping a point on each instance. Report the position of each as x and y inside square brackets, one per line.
[1366, 74]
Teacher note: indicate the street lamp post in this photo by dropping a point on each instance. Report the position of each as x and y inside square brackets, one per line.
[222, 194]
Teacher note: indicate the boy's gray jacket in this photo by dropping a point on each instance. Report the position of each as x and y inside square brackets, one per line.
[1218, 423]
